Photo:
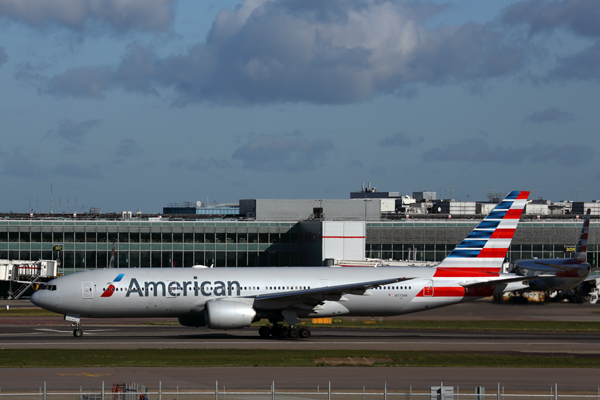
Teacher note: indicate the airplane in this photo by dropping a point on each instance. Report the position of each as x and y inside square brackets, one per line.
[232, 298]
[568, 272]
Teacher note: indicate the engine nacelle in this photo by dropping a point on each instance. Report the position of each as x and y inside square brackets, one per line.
[228, 314]
[194, 320]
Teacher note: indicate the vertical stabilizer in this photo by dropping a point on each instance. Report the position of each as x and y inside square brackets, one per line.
[484, 249]
[581, 249]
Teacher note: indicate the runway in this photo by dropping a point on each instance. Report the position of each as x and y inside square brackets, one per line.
[53, 332]
[127, 337]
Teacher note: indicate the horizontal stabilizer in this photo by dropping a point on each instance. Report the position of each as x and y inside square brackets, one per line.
[501, 281]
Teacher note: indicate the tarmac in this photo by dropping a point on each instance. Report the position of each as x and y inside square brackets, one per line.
[53, 332]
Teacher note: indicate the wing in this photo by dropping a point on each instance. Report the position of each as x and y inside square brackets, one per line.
[313, 297]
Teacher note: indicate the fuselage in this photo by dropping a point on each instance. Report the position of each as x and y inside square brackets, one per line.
[179, 292]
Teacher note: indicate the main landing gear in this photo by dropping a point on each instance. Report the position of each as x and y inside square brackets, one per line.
[282, 332]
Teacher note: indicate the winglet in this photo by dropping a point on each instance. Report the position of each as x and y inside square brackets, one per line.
[581, 249]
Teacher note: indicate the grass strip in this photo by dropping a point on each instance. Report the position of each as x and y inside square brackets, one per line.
[54, 358]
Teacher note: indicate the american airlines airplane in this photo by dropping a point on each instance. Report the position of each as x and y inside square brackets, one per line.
[231, 298]
[569, 272]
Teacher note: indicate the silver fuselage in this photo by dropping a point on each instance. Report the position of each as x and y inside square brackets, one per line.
[177, 292]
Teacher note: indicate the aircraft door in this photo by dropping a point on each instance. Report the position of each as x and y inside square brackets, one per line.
[428, 288]
[88, 289]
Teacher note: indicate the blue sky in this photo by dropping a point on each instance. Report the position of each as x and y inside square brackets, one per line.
[122, 104]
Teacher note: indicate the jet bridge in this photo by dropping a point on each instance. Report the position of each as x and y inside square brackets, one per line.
[22, 275]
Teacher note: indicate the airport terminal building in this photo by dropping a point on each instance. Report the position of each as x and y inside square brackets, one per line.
[275, 233]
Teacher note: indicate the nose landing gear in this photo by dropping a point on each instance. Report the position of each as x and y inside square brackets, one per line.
[76, 322]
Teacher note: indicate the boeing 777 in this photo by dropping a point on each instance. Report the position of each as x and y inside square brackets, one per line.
[230, 298]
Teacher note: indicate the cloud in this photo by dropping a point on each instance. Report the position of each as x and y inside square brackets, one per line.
[201, 164]
[330, 52]
[274, 153]
[72, 132]
[581, 66]
[3, 56]
[81, 82]
[119, 15]
[477, 150]
[21, 165]
[128, 148]
[397, 139]
[551, 114]
[577, 16]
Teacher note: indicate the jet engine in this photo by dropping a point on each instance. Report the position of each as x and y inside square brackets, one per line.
[228, 314]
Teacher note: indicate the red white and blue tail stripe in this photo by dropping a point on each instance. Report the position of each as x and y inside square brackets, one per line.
[581, 249]
[483, 251]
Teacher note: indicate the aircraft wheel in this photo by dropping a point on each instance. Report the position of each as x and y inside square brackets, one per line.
[78, 332]
[305, 333]
[264, 331]
[293, 333]
[280, 333]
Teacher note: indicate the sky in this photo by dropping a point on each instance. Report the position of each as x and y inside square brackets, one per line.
[127, 104]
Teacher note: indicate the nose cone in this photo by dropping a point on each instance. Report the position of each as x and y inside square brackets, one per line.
[35, 298]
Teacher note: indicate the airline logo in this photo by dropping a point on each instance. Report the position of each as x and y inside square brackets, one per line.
[111, 288]
[484, 249]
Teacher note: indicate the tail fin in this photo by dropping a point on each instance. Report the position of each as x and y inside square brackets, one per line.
[484, 249]
[581, 249]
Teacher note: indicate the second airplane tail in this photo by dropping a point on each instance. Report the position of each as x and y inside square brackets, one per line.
[581, 249]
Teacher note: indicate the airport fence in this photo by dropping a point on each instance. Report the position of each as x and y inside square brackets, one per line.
[133, 391]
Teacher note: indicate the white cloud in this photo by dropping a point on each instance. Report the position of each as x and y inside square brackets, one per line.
[329, 52]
